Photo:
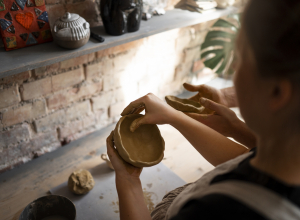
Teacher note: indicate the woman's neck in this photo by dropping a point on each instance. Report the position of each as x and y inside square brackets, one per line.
[279, 158]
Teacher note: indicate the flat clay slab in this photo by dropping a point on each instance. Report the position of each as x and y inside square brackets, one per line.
[184, 105]
[142, 148]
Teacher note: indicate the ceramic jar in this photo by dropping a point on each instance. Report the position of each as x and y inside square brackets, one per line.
[121, 16]
[224, 3]
[71, 31]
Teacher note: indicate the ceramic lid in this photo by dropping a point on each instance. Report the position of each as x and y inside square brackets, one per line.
[68, 17]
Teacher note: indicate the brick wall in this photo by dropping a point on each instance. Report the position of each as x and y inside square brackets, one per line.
[45, 108]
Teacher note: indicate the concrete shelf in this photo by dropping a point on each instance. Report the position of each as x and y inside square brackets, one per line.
[17, 61]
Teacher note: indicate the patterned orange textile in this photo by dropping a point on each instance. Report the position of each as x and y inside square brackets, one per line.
[24, 23]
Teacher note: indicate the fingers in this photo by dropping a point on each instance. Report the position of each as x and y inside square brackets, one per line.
[138, 110]
[110, 145]
[218, 108]
[137, 123]
[132, 107]
[192, 88]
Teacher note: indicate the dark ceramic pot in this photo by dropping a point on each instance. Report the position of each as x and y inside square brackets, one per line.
[121, 16]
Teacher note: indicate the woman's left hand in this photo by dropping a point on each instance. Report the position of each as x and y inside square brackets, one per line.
[122, 168]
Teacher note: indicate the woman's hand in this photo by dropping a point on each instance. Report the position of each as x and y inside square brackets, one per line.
[157, 111]
[132, 205]
[122, 168]
[225, 121]
[224, 96]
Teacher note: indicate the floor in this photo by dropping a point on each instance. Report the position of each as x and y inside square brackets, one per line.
[180, 155]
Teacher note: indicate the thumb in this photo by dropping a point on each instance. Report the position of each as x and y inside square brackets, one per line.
[192, 88]
[137, 123]
[218, 108]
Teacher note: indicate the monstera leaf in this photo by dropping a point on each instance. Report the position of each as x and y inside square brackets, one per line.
[217, 50]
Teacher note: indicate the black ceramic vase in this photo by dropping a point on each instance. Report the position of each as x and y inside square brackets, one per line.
[121, 16]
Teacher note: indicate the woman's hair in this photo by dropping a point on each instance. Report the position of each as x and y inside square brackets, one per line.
[272, 28]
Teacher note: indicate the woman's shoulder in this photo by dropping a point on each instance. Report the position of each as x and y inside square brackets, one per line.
[216, 206]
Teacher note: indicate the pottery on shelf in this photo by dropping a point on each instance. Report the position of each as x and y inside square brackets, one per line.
[184, 105]
[121, 16]
[142, 148]
[71, 31]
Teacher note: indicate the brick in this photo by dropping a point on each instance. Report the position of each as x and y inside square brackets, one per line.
[116, 109]
[78, 110]
[65, 97]
[80, 134]
[36, 88]
[16, 78]
[102, 101]
[124, 61]
[45, 142]
[54, 12]
[88, 10]
[71, 78]
[102, 118]
[77, 61]
[93, 71]
[183, 70]
[9, 97]
[76, 126]
[70, 128]
[54, 2]
[46, 70]
[120, 49]
[17, 134]
[50, 121]
[197, 66]
[24, 113]
[111, 82]
[191, 54]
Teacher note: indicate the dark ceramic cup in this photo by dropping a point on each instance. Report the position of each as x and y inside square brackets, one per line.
[121, 16]
[45, 207]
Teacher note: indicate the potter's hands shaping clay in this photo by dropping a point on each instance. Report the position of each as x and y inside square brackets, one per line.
[224, 96]
[225, 121]
[122, 168]
[81, 182]
[157, 111]
[142, 148]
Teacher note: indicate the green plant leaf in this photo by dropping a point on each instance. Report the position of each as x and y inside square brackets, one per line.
[218, 45]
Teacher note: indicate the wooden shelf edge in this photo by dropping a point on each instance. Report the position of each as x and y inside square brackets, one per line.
[25, 59]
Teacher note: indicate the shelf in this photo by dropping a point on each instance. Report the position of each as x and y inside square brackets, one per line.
[17, 61]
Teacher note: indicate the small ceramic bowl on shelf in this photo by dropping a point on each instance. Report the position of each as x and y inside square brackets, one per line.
[142, 148]
[71, 31]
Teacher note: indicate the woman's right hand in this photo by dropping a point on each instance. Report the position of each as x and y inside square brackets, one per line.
[157, 111]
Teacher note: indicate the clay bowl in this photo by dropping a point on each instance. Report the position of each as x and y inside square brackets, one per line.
[57, 207]
[184, 105]
[142, 148]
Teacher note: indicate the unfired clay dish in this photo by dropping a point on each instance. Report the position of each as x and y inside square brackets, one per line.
[184, 105]
[142, 148]
[81, 182]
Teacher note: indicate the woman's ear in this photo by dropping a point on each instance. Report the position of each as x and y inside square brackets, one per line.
[281, 94]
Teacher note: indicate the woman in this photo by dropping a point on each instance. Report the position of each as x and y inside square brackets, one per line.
[263, 183]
